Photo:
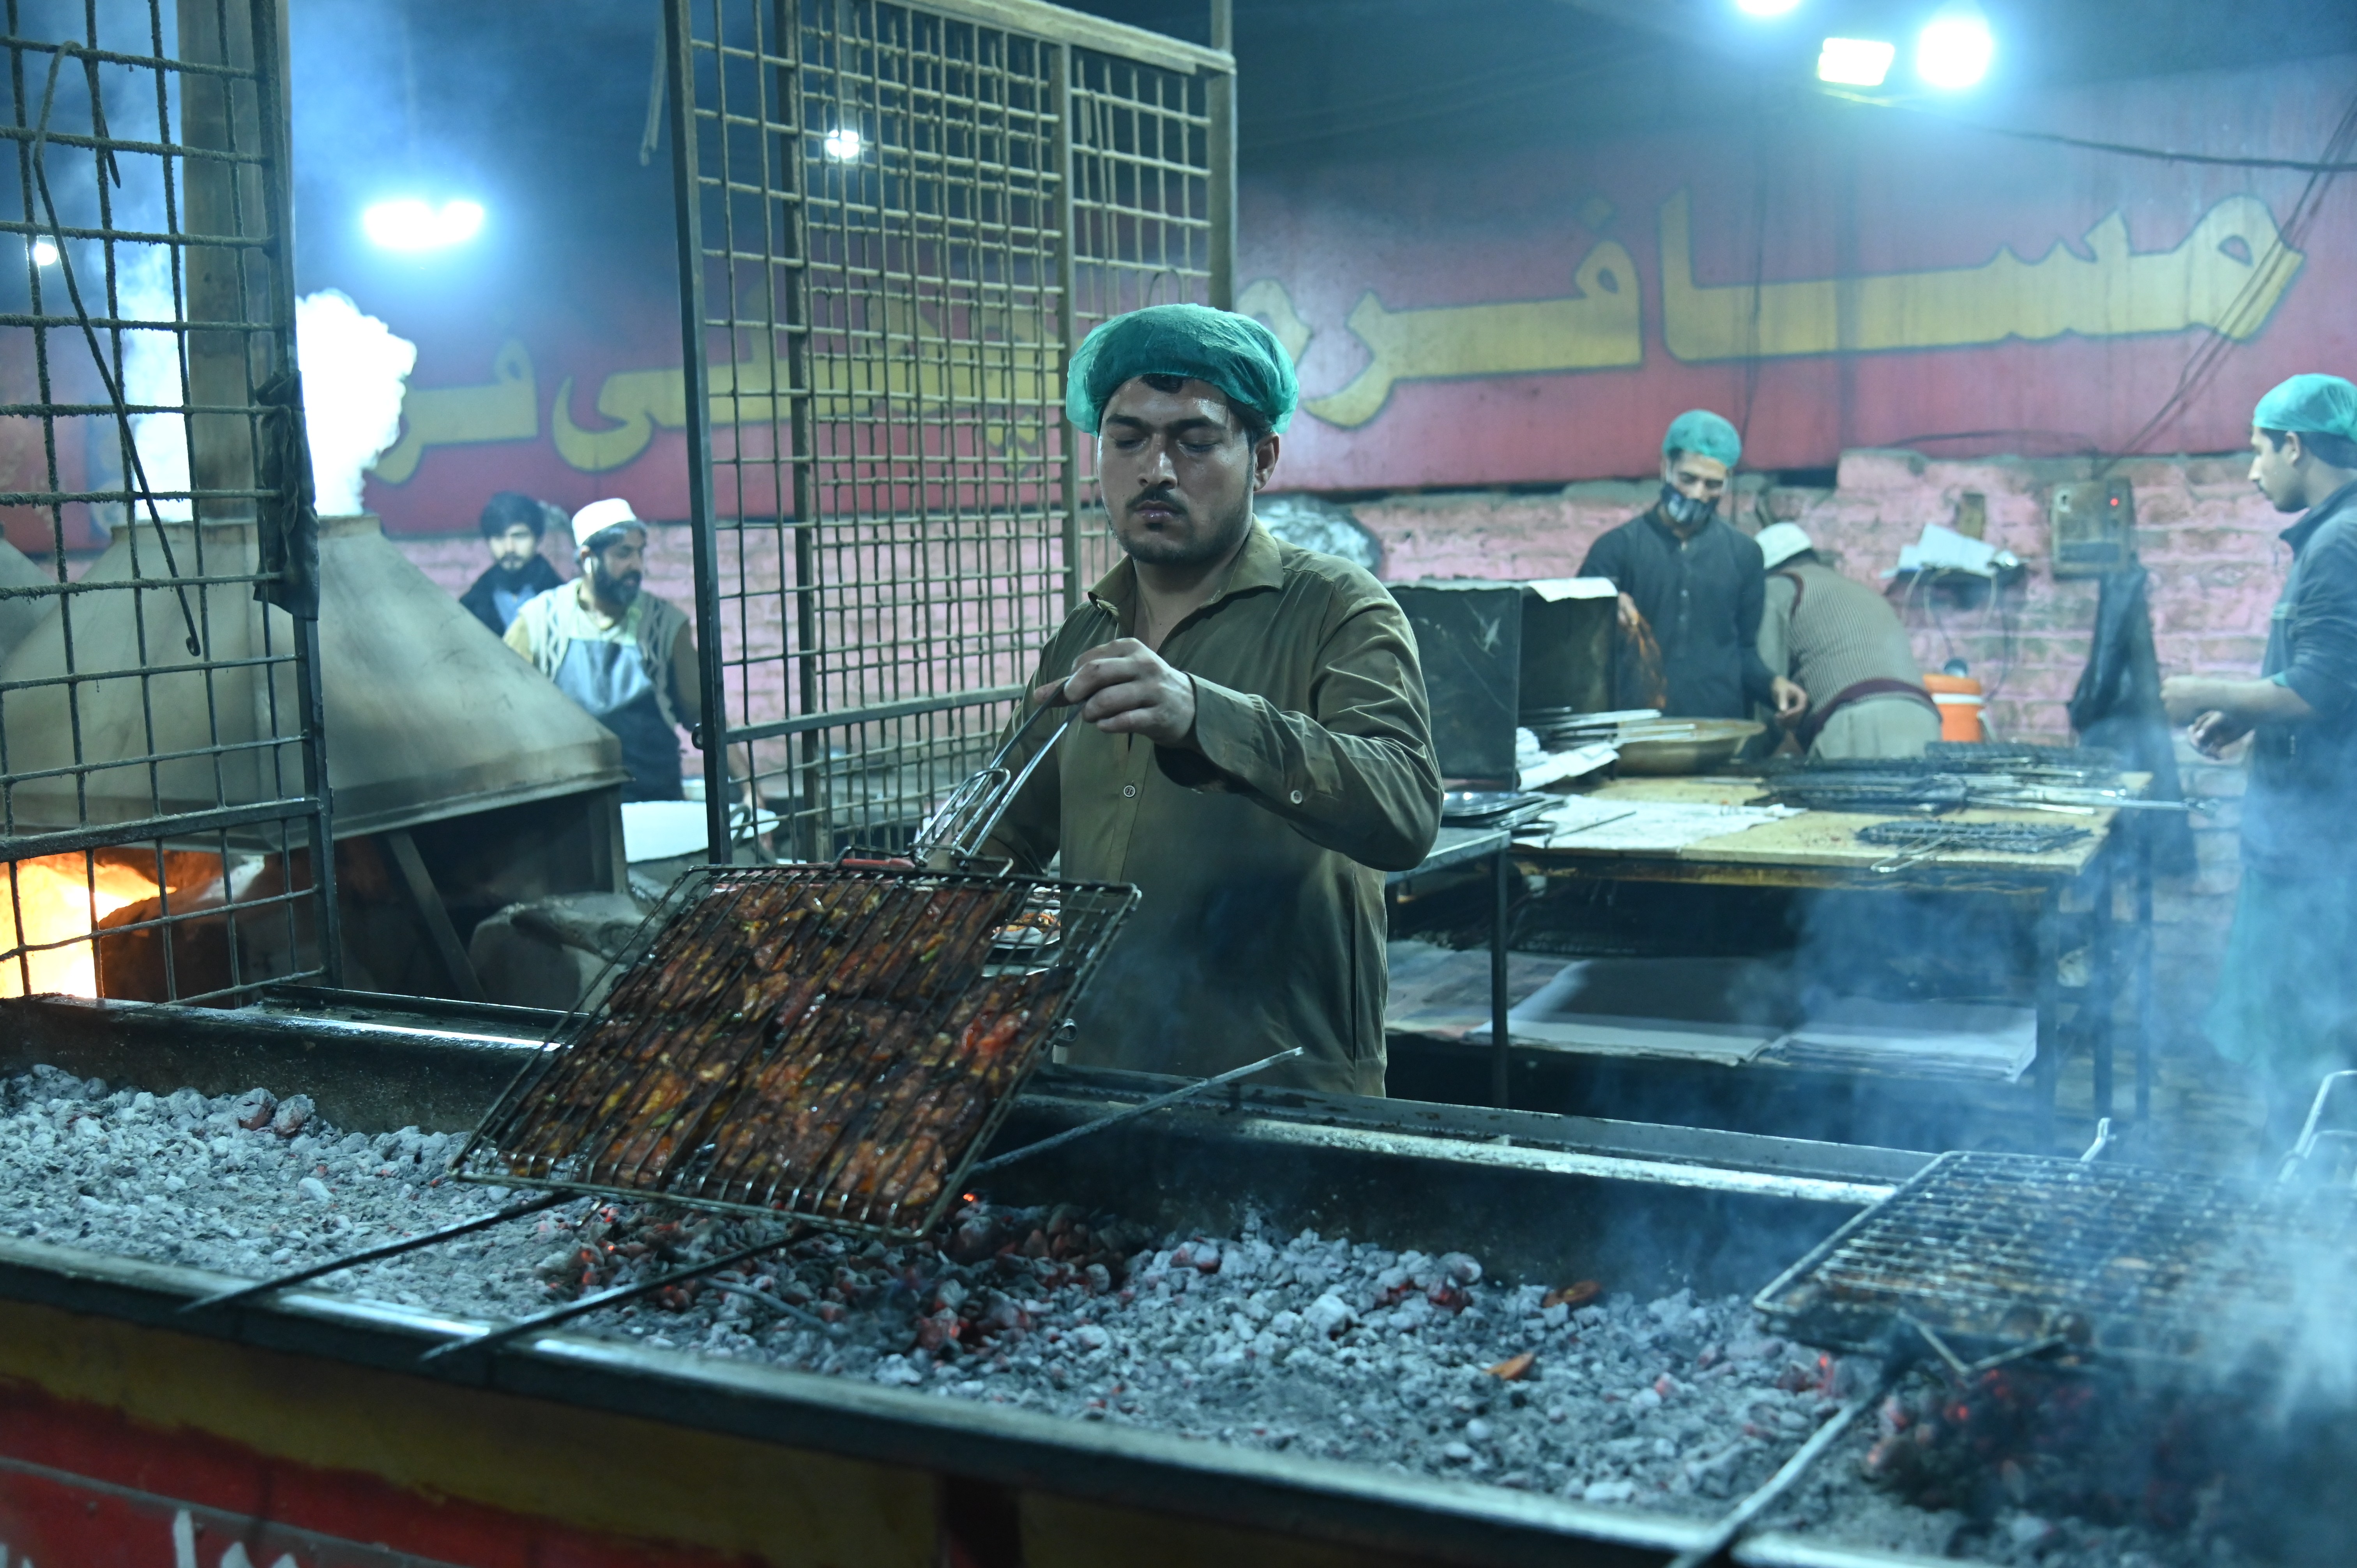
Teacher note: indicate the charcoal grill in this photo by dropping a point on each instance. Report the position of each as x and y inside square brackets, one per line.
[829, 1044]
[1992, 1256]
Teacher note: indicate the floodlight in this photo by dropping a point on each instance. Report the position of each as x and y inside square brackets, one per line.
[410, 223]
[1855, 63]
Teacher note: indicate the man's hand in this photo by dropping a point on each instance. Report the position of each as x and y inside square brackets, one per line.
[2211, 733]
[1124, 687]
[1630, 619]
[1791, 700]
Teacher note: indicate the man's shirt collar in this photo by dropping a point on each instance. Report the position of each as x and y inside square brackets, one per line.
[2318, 515]
[1259, 564]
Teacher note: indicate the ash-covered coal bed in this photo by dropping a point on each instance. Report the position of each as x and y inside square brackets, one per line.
[1315, 1346]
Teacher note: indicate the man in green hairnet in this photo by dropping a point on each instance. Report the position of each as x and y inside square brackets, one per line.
[1692, 590]
[2286, 1001]
[1247, 742]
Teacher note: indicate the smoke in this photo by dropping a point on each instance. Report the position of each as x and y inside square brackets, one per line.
[354, 374]
[151, 375]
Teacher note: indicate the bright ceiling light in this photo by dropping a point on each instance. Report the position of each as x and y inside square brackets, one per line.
[45, 253]
[1765, 8]
[1855, 63]
[1954, 49]
[410, 224]
[845, 144]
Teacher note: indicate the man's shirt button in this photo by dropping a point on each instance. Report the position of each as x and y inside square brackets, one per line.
[1129, 789]
[1296, 797]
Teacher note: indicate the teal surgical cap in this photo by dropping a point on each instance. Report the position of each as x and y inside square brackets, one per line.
[2318, 405]
[1234, 353]
[1699, 431]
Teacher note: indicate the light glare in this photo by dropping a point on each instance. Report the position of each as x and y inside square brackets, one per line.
[410, 224]
[45, 253]
[1855, 63]
[1952, 52]
[1766, 7]
[844, 144]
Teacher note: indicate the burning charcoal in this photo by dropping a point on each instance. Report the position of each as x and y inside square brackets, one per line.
[1515, 1367]
[254, 1109]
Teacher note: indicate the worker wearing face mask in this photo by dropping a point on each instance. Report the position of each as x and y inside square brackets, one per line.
[1692, 590]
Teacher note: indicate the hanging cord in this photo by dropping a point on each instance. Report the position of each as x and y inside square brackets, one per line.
[2205, 361]
[90, 333]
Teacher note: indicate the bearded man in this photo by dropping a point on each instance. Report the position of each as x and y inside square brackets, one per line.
[625, 656]
[1248, 741]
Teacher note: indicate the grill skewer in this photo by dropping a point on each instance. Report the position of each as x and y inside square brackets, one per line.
[1739, 1519]
[377, 1255]
[1072, 1134]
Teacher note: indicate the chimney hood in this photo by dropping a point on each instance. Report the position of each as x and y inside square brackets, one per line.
[18, 617]
[428, 715]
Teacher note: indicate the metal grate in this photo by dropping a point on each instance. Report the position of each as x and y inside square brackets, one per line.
[895, 222]
[2002, 1254]
[162, 813]
[1981, 838]
[830, 1043]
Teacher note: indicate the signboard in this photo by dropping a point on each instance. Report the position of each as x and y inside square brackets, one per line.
[1843, 276]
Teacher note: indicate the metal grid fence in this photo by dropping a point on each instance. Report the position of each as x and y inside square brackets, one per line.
[161, 812]
[896, 222]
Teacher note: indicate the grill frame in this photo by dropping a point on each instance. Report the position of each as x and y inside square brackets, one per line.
[2155, 1314]
[877, 952]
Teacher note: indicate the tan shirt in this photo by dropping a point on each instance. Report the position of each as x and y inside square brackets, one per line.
[1260, 853]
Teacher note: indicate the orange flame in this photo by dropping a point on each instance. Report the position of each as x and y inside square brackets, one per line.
[59, 899]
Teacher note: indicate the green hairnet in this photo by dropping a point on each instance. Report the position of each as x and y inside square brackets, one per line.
[1234, 353]
[1701, 432]
[2319, 405]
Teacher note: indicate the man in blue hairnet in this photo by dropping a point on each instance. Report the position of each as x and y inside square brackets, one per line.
[2286, 1001]
[1692, 590]
[1247, 738]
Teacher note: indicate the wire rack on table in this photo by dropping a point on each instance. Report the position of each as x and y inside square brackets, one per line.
[830, 1043]
[1978, 838]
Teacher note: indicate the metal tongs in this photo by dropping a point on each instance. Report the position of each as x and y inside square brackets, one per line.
[959, 827]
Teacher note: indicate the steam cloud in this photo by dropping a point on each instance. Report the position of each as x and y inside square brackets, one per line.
[355, 371]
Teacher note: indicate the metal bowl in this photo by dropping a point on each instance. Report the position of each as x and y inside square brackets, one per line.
[1683, 746]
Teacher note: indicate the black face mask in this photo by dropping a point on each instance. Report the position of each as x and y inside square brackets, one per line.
[1684, 512]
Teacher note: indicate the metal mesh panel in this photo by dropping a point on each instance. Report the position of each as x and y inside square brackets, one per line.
[888, 265]
[160, 798]
[2001, 1254]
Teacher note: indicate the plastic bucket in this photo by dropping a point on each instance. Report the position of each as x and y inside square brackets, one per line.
[1959, 697]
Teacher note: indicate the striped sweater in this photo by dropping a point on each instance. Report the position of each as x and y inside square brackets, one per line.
[1838, 640]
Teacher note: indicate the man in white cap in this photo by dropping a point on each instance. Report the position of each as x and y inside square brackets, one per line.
[1840, 642]
[623, 654]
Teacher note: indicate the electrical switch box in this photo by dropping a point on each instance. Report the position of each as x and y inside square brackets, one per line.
[2093, 527]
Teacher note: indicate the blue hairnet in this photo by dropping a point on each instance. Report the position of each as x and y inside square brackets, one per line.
[1234, 353]
[2319, 405]
[1701, 432]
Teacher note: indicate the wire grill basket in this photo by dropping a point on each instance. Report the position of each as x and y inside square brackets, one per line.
[832, 1043]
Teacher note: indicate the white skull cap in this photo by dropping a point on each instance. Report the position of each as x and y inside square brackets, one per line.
[1779, 542]
[599, 516]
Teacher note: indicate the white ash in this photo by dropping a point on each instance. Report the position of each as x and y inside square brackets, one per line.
[1314, 1346]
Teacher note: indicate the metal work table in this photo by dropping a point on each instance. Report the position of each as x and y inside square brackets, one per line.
[1462, 846]
[2067, 892]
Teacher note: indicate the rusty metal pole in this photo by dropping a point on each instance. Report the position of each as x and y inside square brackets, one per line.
[1222, 107]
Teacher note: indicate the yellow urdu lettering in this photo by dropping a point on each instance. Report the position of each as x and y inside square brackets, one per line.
[2227, 274]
